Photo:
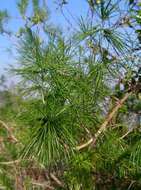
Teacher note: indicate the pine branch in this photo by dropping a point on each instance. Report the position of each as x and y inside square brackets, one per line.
[104, 126]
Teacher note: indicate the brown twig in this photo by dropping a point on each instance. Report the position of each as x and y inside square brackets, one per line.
[44, 185]
[57, 181]
[11, 136]
[126, 134]
[103, 127]
[10, 162]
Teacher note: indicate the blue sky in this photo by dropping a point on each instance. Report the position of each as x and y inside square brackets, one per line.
[76, 7]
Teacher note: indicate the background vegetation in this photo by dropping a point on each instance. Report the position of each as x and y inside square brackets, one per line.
[73, 119]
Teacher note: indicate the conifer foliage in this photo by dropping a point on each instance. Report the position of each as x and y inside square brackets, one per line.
[72, 120]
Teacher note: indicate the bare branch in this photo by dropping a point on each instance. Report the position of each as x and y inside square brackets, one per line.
[12, 137]
[43, 185]
[57, 181]
[103, 127]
